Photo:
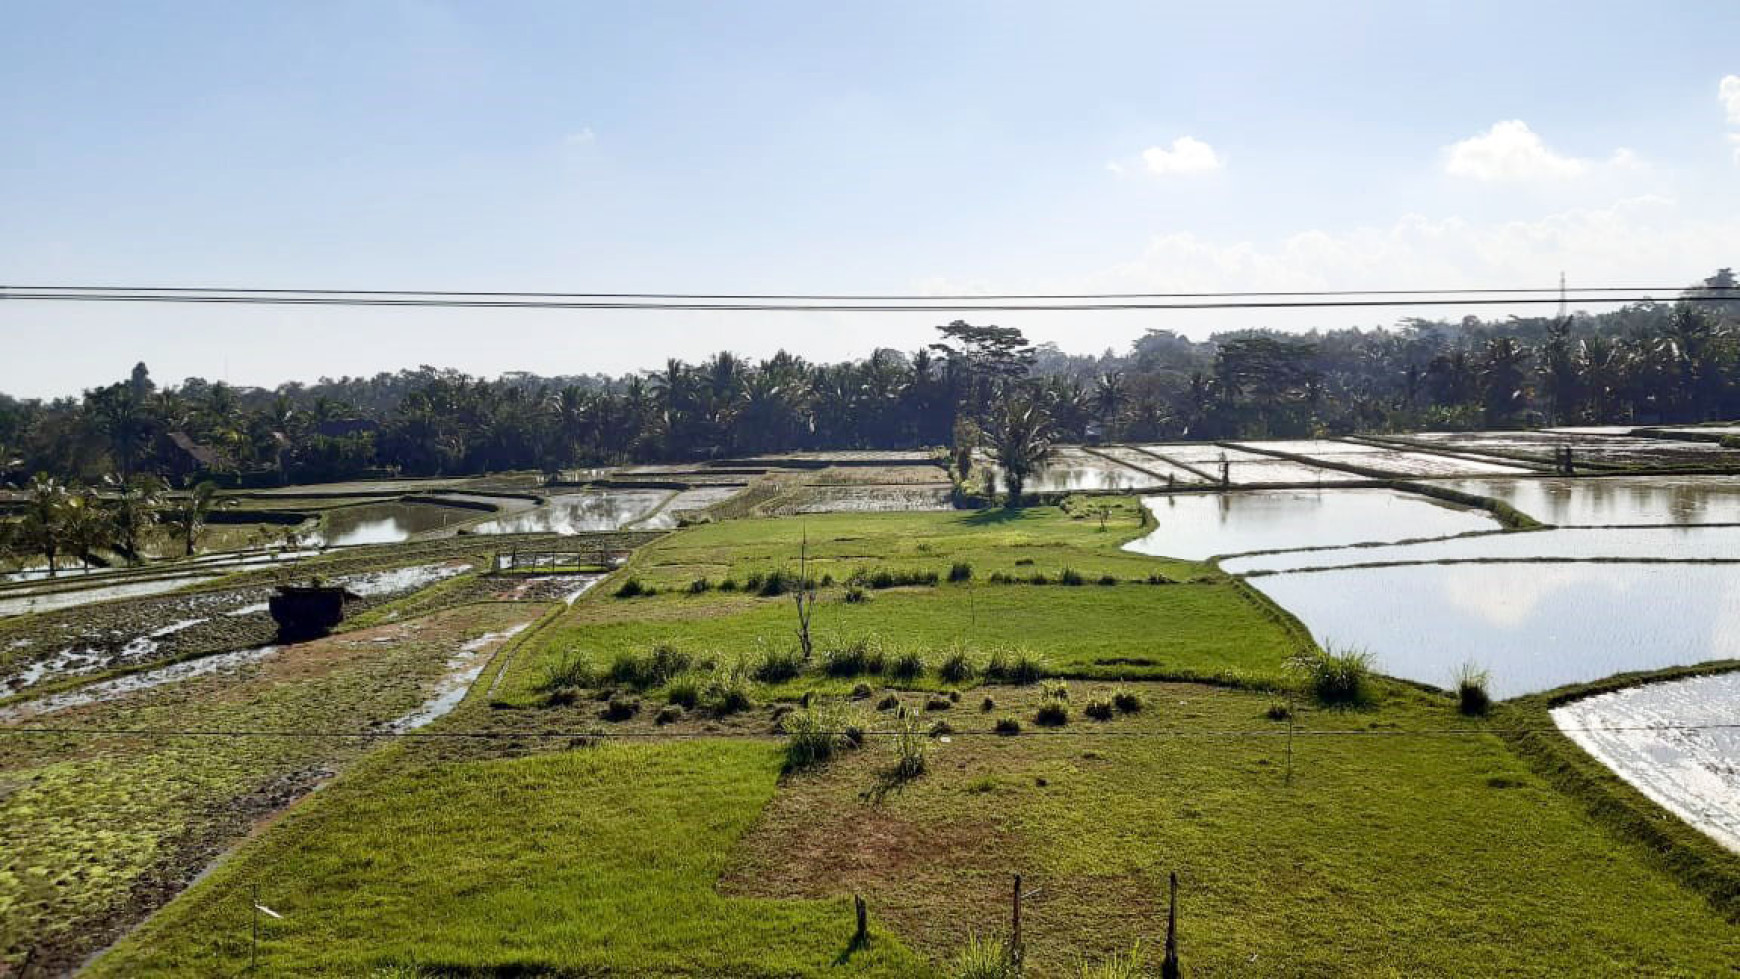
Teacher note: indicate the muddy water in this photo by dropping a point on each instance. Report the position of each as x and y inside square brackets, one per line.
[47, 601]
[577, 513]
[133, 683]
[1617, 499]
[1200, 525]
[1643, 735]
[1534, 626]
[462, 671]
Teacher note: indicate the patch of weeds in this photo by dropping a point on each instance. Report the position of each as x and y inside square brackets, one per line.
[906, 666]
[1472, 698]
[1007, 725]
[1159, 579]
[813, 735]
[633, 587]
[621, 708]
[988, 704]
[1279, 710]
[729, 584]
[960, 571]
[1054, 690]
[982, 785]
[700, 586]
[938, 703]
[1337, 678]
[729, 690]
[889, 702]
[911, 748]
[777, 583]
[1127, 701]
[1099, 708]
[1054, 708]
[861, 656]
[562, 697]
[856, 595]
[669, 714]
[684, 692]
[1021, 668]
[1070, 576]
[957, 666]
[1108, 580]
[659, 667]
[571, 669]
[1122, 965]
[1023, 562]
[984, 958]
[862, 691]
[779, 666]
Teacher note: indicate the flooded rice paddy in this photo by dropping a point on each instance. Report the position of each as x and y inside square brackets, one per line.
[463, 669]
[1196, 526]
[1617, 499]
[1587, 544]
[1534, 626]
[122, 686]
[387, 523]
[1070, 469]
[49, 601]
[576, 513]
[1677, 742]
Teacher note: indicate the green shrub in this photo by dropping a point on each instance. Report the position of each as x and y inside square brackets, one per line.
[1159, 579]
[729, 584]
[812, 735]
[1127, 701]
[1052, 713]
[960, 571]
[1279, 710]
[1472, 698]
[862, 691]
[856, 595]
[1070, 576]
[775, 584]
[778, 667]
[1008, 725]
[700, 586]
[1108, 579]
[988, 705]
[957, 666]
[753, 582]
[984, 959]
[632, 587]
[1019, 668]
[1337, 678]
[906, 666]
[1099, 708]
[935, 702]
[999, 578]
[1039, 578]
[889, 702]
[668, 714]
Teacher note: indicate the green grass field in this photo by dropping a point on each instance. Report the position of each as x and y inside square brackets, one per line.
[678, 848]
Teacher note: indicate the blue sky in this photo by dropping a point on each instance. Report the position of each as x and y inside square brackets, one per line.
[800, 147]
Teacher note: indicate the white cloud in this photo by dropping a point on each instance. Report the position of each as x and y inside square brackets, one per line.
[1512, 151]
[1651, 241]
[582, 138]
[1187, 155]
[1729, 93]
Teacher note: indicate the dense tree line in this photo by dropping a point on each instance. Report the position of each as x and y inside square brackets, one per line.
[1652, 362]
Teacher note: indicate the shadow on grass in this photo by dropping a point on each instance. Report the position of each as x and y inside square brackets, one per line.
[995, 515]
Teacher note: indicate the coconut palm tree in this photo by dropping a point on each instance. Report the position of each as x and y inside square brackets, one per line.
[189, 520]
[134, 513]
[43, 527]
[1021, 440]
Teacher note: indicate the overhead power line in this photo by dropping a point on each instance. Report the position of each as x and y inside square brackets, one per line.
[1084, 304]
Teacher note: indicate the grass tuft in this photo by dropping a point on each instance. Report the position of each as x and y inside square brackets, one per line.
[1337, 678]
[1472, 698]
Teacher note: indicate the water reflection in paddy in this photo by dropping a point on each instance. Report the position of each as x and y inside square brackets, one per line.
[1535, 627]
[1618, 499]
[1621, 543]
[387, 523]
[1200, 525]
[577, 513]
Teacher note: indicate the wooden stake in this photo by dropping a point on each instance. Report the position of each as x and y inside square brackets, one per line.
[1169, 965]
[1015, 928]
[861, 939]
